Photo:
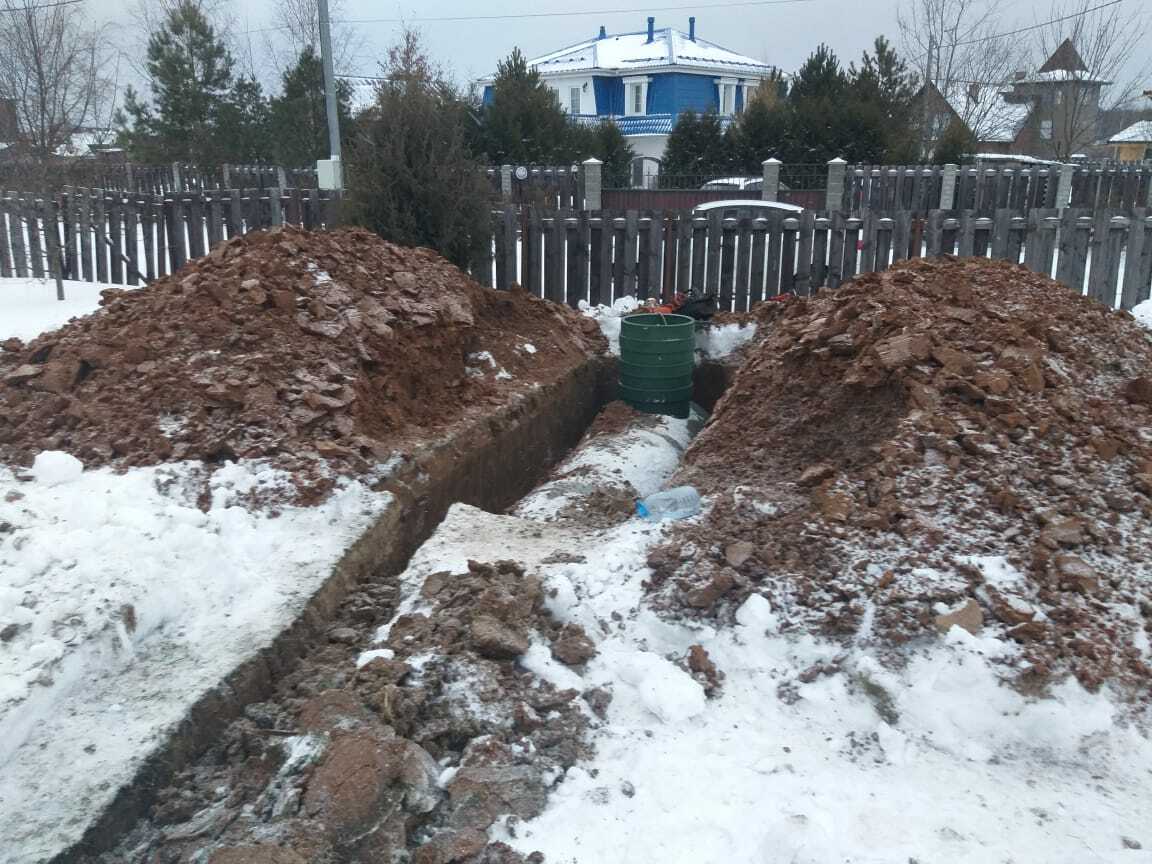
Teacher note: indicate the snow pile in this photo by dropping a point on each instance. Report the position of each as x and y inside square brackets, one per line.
[717, 341]
[121, 603]
[1143, 313]
[608, 317]
[28, 307]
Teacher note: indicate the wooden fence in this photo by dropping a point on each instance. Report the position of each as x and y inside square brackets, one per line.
[130, 177]
[108, 236]
[601, 256]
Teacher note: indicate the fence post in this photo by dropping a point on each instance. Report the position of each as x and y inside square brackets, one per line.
[593, 170]
[177, 185]
[834, 197]
[227, 176]
[948, 187]
[770, 191]
[1064, 188]
[128, 176]
[506, 182]
[282, 177]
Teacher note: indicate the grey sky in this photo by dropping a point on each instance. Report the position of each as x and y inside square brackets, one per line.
[783, 35]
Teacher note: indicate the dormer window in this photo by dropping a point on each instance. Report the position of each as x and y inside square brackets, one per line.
[635, 96]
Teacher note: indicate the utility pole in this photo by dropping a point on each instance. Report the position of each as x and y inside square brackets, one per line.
[926, 135]
[335, 178]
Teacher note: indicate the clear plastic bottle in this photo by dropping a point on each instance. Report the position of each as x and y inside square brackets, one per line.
[678, 503]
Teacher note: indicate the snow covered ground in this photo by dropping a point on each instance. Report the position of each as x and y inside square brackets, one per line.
[713, 341]
[1143, 313]
[121, 603]
[811, 752]
[28, 307]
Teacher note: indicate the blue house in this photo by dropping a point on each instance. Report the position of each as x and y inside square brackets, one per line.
[644, 81]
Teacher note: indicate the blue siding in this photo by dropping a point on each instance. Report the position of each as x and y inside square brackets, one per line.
[609, 95]
[692, 93]
[487, 94]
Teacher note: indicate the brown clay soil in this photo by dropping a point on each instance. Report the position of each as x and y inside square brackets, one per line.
[947, 441]
[322, 352]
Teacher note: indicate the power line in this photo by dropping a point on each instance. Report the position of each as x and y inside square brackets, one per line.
[40, 6]
[442, 19]
[1079, 14]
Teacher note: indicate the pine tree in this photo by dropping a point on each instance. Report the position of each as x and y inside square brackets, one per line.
[605, 142]
[885, 88]
[299, 122]
[955, 146]
[524, 122]
[411, 176]
[759, 133]
[697, 147]
[190, 76]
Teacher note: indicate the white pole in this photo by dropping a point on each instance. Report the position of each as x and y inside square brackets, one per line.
[330, 93]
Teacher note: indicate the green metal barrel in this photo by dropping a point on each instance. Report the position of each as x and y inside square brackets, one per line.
[657, 356]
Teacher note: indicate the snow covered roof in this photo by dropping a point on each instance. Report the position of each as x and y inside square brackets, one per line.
[1138, 133]
[627, 52]
[363, 91]
[987, 113]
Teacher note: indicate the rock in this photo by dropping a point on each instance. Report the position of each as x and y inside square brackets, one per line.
[705, 597]
[23, 373]
[969, 616]
[953, 359]
[737, 553]
[1031, 631]
[493, 639]
[815, 474]
[12, 344]
[1138, 391]
[904, 350]
[449, 847]
[365, 784]
[261, 854]
[1076, 573]
[478, 795]
[9, 632]
[701, 664]
[1129, 843]
[334, 709]
[343, 636]
[573, 647]
[1064, 532]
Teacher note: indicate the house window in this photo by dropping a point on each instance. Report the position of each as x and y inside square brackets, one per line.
[574, 100]
[1059, 97]
[635, 96]
[1046, 130]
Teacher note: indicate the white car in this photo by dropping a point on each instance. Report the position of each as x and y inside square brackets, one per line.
[744, 184]
[750, 206]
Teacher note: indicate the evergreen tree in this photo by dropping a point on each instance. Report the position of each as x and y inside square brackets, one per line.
[697, 146]
[190, 76]
[759, 133]
[956, 145]
[524, 121]
[605, 142]
[411, 177]
[242, 124]
[885, 90]
[298, 118]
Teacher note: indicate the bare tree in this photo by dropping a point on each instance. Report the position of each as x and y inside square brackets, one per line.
[957, 46]
[296, 25]
[1097, 60]
[51, 69]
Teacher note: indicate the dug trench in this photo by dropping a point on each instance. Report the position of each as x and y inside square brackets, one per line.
[490, 464]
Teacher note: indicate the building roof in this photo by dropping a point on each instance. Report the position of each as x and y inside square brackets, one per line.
[1065, 58]
[627, 52]
[1137, 133]
[362, 92]
[991, 117]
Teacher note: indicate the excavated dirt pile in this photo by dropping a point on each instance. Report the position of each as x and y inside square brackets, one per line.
[300, 347]
[947, 443]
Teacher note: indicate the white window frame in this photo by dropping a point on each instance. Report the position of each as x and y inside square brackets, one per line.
[726, 87]
[630, 96]
[574, 100]
[1045, 130]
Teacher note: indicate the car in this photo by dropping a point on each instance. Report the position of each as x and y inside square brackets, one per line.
[746, 207]
[744, 184]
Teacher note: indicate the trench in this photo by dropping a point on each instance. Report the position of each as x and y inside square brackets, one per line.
[489, 463]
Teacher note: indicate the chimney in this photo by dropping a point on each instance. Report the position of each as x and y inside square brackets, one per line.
[603, 32]
[651, 29]
[692, 28]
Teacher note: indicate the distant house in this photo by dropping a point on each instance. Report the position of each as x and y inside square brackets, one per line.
[1047, 114]
[1133, 144]
[9, 122]
[643, 81]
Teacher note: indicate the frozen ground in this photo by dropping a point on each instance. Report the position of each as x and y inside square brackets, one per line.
[121, 603]
[811, 752]
[1143, 313]
[28, 307]
[713, 341]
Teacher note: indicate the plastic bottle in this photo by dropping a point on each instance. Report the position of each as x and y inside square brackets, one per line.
[678, 503]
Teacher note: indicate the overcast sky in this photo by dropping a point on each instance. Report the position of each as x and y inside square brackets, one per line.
[782, 34]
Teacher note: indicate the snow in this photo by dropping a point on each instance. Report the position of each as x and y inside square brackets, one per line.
[28, 307]
[608, 317]
[937, 761]
[1138, 132]
[129, 603]
[717, 341]
[1143, 313]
